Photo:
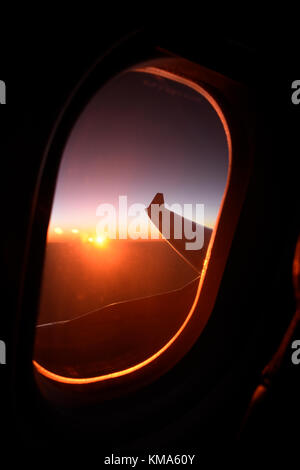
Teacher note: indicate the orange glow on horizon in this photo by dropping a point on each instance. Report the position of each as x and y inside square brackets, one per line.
[89, 235]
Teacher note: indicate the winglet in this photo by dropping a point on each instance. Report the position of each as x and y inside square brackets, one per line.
[158, 199]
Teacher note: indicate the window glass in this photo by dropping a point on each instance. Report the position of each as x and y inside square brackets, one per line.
[138, 194]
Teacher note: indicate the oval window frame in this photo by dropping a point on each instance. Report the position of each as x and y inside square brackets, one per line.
[161, 68]
[225, 93]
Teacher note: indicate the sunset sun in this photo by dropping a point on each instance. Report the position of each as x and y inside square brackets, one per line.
[100, 240]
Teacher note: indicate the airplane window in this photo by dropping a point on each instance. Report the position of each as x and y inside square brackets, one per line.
[138, 193]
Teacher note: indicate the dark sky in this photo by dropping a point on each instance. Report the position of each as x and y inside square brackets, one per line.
[139, 135]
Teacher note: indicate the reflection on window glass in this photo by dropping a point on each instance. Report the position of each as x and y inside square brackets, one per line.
[138, 193]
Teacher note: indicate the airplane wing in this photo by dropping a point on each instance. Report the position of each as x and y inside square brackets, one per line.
[193, 257]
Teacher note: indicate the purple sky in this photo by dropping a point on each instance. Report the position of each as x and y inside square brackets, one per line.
[139, 135]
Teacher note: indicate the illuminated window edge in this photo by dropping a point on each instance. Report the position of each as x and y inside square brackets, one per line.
[100, 378]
